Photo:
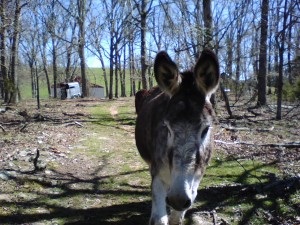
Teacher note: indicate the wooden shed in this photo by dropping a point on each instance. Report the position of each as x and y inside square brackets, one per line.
[96, 91]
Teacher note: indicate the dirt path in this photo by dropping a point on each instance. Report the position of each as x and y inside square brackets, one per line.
[89, 171]
[113, 111]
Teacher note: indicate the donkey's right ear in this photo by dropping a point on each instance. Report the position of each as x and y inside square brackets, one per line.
[206, 72]
[166, 73]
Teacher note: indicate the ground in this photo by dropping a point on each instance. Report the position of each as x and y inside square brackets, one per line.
[75, 162]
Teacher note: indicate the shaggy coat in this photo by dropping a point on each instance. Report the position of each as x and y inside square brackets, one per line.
[173, 132]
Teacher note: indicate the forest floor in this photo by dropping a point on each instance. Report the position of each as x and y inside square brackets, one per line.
[75, 162]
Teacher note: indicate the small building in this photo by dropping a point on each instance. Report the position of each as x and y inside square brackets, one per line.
[96, 91]
[70, 90]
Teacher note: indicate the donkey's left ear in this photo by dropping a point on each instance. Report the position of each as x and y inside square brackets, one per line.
[166, 73]
[206, 72]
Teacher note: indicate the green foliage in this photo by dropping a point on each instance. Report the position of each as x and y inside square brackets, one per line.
[291, 92]
[297, 89]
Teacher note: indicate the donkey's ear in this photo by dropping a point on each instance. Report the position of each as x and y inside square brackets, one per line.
[166, 73]
[207, 72]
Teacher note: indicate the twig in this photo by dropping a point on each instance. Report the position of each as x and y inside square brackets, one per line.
[74, 123]
[295, 107]
[224, 222]
[35, 161]
[78, 124]
[213, 213]
[2, 128]
[250, 109]
[24, 126]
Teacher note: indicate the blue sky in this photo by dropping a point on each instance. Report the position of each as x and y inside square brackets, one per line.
[93, 61]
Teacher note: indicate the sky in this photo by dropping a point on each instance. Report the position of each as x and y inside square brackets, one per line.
[93, 61]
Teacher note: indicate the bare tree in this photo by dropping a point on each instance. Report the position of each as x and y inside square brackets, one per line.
[262, 73]
[14, 50]
[82, 11]
[281, 43]
[144, 8]
[4, 75]
[207, 18]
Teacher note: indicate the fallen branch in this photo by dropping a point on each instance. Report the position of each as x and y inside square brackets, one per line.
[248, 129]
[73, 114]
[236, 128]
[285, 145]
[74, 123]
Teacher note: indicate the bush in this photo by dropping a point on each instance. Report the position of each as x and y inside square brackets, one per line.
[291, 92]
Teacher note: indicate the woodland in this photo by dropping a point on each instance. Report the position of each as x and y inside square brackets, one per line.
[74, 161]
[257, 43]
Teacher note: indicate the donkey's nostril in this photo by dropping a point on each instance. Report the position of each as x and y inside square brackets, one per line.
[187, 204]
[179, 204]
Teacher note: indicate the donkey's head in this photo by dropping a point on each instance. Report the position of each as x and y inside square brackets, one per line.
[188, 119]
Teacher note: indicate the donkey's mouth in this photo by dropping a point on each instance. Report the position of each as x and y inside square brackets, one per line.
[179, 204]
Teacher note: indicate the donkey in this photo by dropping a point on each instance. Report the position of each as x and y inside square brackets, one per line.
[173, 133]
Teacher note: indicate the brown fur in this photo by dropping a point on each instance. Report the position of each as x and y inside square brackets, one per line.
[173, 128]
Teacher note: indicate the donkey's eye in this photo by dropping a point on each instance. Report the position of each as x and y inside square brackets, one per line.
[204, 132]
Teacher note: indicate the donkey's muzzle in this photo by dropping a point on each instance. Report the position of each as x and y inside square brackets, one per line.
[179, 203]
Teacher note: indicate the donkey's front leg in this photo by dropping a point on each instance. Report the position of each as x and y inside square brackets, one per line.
[176, 217]
[159, 214]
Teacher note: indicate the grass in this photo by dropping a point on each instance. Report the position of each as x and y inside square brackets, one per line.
[108, 183]
[224, 171]
[94, 76]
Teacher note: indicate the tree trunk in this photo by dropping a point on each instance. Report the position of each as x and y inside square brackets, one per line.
[262, 71]
[81, 6]
[207, 18]
[269, 74]
[281, 44]
[68, 66]
[289, 43]
[45, 65]
[33, 80]
[3, 75]
[131, 67]
[54, 65]
[116, 72]
[37, 87]
[123, 75]
[143, 43]
[227, 105]
[69, 49]
[229, 44]
[14, 53]
[111, 68]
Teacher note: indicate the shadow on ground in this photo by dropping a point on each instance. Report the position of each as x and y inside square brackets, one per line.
[50, 196]
[47, 196]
